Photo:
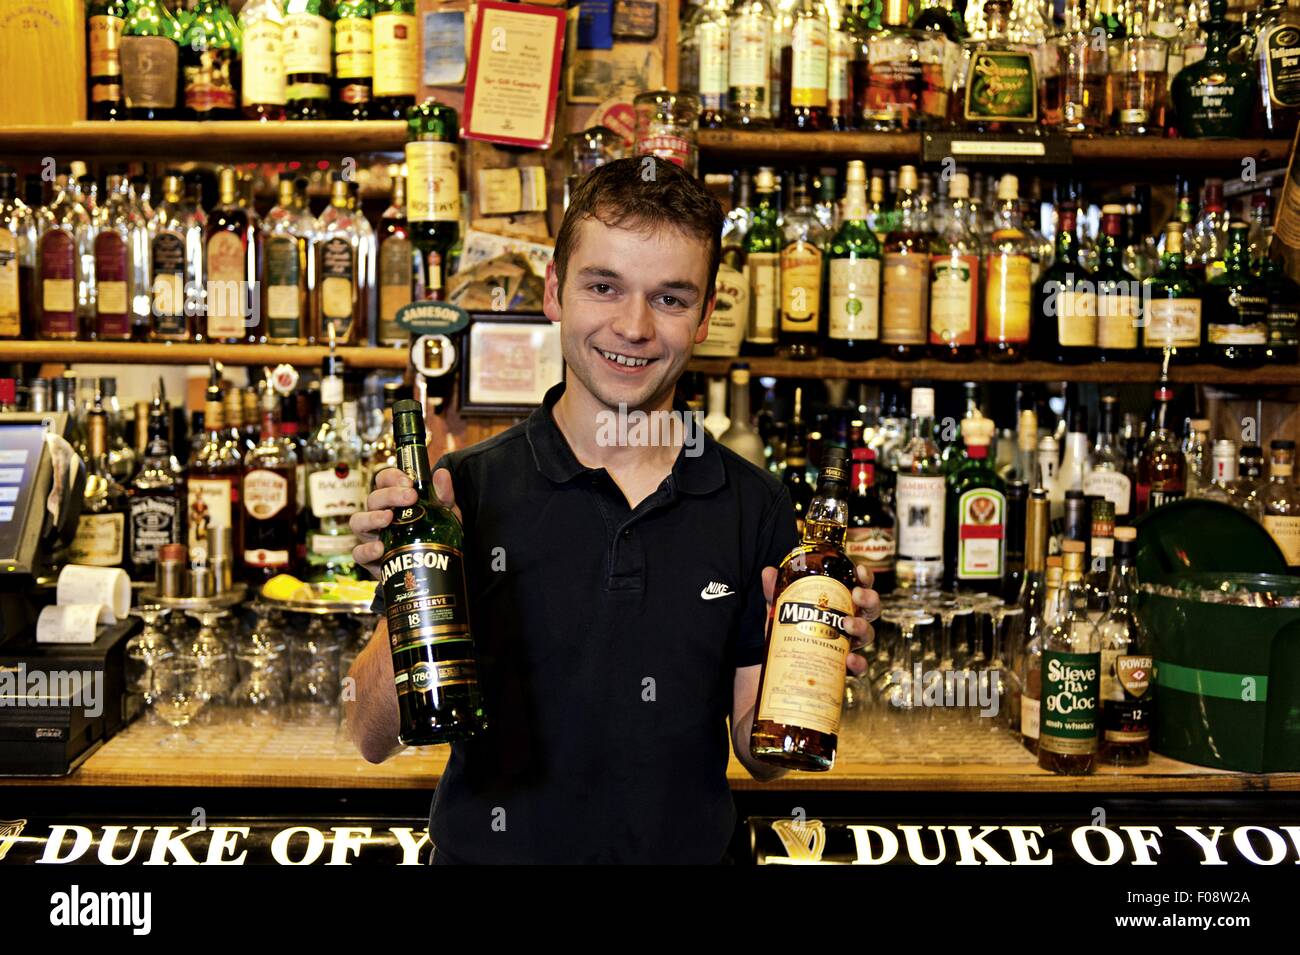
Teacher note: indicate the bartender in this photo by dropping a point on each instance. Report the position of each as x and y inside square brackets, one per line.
[618, 594]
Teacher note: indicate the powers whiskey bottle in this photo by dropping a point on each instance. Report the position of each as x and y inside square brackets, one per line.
[423, 577]
[801, 690]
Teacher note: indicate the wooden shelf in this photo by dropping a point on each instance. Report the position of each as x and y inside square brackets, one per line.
[258, 142]
[885, 369]
[163, 353]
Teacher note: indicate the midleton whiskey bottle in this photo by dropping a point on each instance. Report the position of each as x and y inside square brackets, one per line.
[423, 577]
[801, 690]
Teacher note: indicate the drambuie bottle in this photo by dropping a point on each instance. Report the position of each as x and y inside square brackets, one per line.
[801, 690]
[423, 578]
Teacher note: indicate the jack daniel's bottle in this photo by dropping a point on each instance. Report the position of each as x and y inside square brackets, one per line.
[801, 691]
[423, 578]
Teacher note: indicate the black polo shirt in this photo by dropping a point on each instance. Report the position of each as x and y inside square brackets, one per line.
[608, 640]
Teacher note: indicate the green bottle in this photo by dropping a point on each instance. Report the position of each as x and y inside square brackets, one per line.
[853, 303]
[209, 62]
[1173, 301]
[397, 58]
[1065, 306]
[1236, 322]
[104, 22]
[308, 43]
[762, 250]
[1119, 293]
[977, 514]
[435, 666]
[354, 61]
[1215, 97]
[150, 56]
[433, 190]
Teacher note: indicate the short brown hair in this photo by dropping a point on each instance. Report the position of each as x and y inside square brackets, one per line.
[643, 191]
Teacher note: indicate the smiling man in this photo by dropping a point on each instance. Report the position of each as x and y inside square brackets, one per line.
[617, 592]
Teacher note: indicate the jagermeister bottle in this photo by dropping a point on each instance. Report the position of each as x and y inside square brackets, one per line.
[432, 190]
[423, 577]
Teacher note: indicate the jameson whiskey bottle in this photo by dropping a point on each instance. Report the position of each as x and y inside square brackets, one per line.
[423, 577]
[1127, 664]
[1071, 677]
[262, 83]
[104, 22]
[801, 690]
[353, 59]
[396, 58]
[432, 190]
[853, 309]
[307, 67]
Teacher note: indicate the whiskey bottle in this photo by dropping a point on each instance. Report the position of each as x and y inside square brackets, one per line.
[1236, 321]
[853, 307]
[1106, 471]
[1173, 305]
[171, 263]
[749, 64]
[704, 60]
[1033, 602]
[1277, 55]
[804, 68]
[802, 256]
[396, 265]
[269, 497]
[1283, 307]
[839, 77]
[104, 22]
[1071, 677]
[337, 305]
[262, 90]
[1281, 503]
[954, 278]
[801, 689]
[118, 237]
[1119, 294]
[1074, 96]
[795, 473]
[1213, 98]
[1001, 80]
[740, 435]
[919, 499]
[939, 35]
[100, 539]
[307, 45]
[1065, 300]
[890, 99]
[231, 260]
[904, 310]
[209, 54]
[435, 666]
[156, 496]
[1162, 469]
[396, 58]
[64, 252]
[762, 250]
[1127, 665]
[17, 259]
[212, 478]
[1139, 82]
[150, 56]
[870, 540]
[1007, 279]
[354, 59]
[284, 270]
[336, 482]
[432, 191]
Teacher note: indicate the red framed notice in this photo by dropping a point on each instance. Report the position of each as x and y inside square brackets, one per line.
[514, 70]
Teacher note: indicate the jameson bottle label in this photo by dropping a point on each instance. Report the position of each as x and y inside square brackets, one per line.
[425, 604]
[730, 318]
[226, 286]
[1071, 682]
[353, 56]
[1001, 86]
[337, 284]
[396, 285]
[903, 312]
[432, 182]
[801, 282]
[954, 299]
[58, 284]
[1173, 323]
[920, 502]
[763, 270]
[10, 306]
[99, 540]
[209, 84]
[749, 64]
[263, 66]
[1125, 708]
[1006, 298]
[871, 547]
[168, 253]
[209, 502]
[395, 54]
[149, 71]
[307, 40]
[803, 677]
[283, 275]
[1118, 317]
[1076, 318]
[1281, 49]
[982, 515]
[712, 40]
[854, 313]
[155, 521]
[113, 314]
[809, 45]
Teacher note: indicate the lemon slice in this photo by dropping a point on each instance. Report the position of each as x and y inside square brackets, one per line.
[284, 587]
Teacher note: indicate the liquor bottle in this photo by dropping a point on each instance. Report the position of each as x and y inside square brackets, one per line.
[396, 260]
[1119, 294]
[1162, 469]
[736, 224]
[1073, 98]
[976, 514]
[853, 314]
[64, 250]
[105, 20]
[284, 273]
[1283, 309]
[232, 413]
[939, 37]
[1127, 665]
[749, 64]
[269, 498]
[1107, 467]
[1007, 278]
[1032, 601]
[1013, 564]
[800, 692]
[17, 259]
[1213, 98]
[336, 482]
[308, 41]
[827, 208]
[879, 216]
[251, 404]
[870, 540]
[762, 249]
[262, 92]
[890, 96]
[1101, 556]
[1001, 79]
[1173, 298]
[1206, 255]
[1223, 474]
[367, 266]
[1065, 300]
[740, 435]
[715, 420]
[117, 228]
[904, 310]
[805, 68]
[919, 499]
[1236, 320]
[839, 76]
[1196, 452]
[1071, 677]
[209, 50]
[1277, 57]
[354, 59]
[156, 504]
[150, 56]
[432, 190]
[231, 259]
[1141, 251]
[100, 539]
[337, 306]
[802, 252]
[396, 58]
[1138, 83]
[212, 475]
[704, 60]
[954, 278]
[1281, 503]
[795, 473]
[425, 598]
[171, 263]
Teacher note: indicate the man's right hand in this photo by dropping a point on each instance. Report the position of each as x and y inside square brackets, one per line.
[392, 489]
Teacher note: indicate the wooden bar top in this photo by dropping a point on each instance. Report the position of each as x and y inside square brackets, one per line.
[318, 757]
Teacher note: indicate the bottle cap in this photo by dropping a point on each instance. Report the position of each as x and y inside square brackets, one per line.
[856, 172]
[1008, 187]
[408, 420]
[977, 430]
[959, 186]
[765, 181]
[907, 178]
[1126, 533]
[740, 374]
[1071, 547]
[834, 458]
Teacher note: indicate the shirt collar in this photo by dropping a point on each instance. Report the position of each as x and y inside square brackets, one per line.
[702, 473]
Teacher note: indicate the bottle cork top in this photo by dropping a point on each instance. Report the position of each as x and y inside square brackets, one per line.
[907, 178]
[959, 186]
[1126, 533]
[1071, 547]
[977, 430]
[1008, 187]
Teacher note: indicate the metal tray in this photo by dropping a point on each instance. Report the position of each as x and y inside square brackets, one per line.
[224, 601]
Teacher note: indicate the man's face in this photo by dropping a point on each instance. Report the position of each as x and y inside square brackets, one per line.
[633, 309]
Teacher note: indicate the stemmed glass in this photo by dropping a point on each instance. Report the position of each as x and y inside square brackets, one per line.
[1008, 625]
[178, 697]
[211, 654]
[143, 651]
[895, 687]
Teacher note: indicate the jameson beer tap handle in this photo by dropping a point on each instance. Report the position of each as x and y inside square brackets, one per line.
[423, 577]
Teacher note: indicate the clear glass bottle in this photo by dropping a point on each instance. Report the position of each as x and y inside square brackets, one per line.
[805, 68]
[954, 278]
[336, 482]
[704, 59]
[308, 45]
[1074, 97]
[1008, 271]
[18, 245]
[1281, 503]
[262, 79]
[212, 475]
[890, 97]
[749, 64]
[1107, 470]
[1162, 469]
[1127, 664]
[802, 254]
[1223, 474]
[65, 248]
[939, 37]
[904, 310]
[1036, 595]
[157, 497]
[284, 269]
[116, 228]
[337, 303]
[1140, 80]
[100, 539]
[1001, 79]
[920, 500]
[741, 436]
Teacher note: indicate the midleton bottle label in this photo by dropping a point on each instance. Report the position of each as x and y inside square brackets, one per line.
[1071, 682]
[424, 597]
[803, 679]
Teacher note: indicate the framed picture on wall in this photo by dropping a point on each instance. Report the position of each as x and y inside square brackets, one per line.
[509, 362]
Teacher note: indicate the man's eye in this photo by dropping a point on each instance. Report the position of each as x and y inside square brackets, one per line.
[672, 301]
[600, 288]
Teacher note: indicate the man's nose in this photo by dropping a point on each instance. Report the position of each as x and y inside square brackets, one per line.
[636, 322]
